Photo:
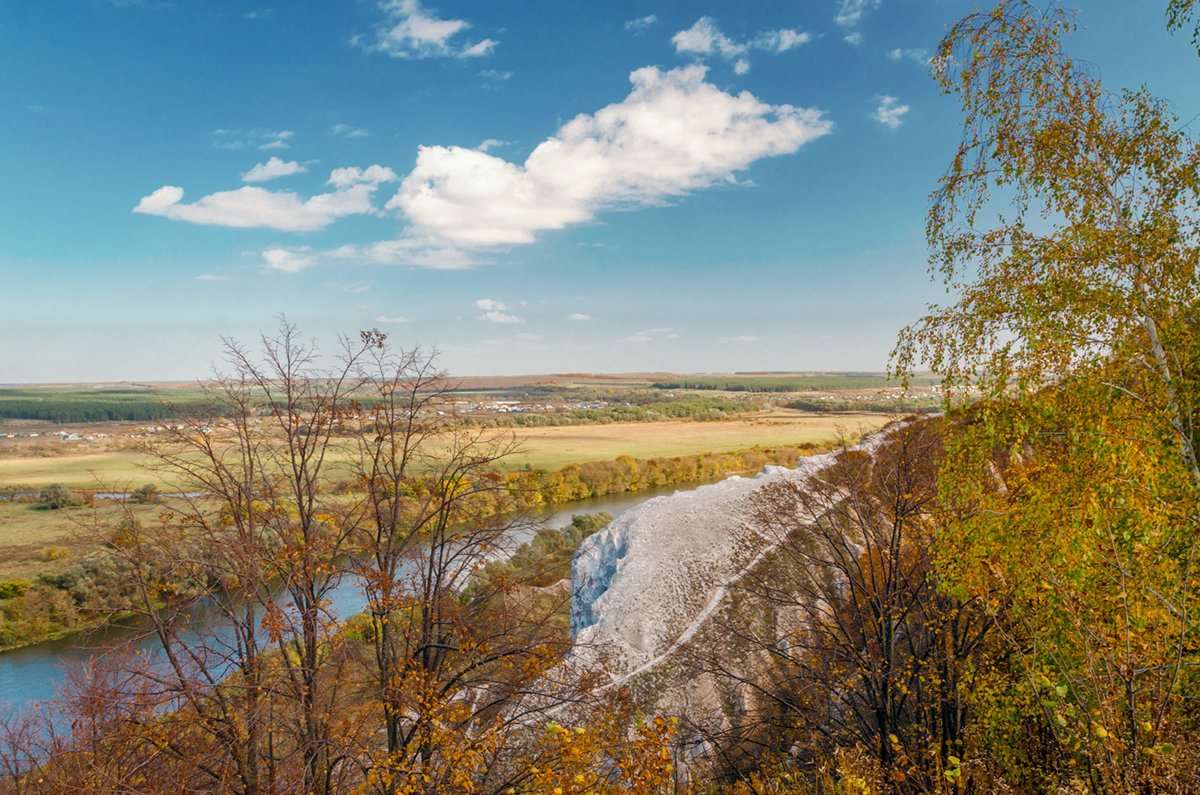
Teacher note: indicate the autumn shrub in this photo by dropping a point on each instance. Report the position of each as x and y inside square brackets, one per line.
[15, 586]
[54, 552]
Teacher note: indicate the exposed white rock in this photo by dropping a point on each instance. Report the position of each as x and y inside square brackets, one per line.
[644, 585]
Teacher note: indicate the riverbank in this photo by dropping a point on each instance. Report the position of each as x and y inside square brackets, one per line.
[32, 673]
[59, 597]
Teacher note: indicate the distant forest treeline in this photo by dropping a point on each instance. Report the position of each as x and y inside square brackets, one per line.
[913, 405]
[88, 404]
[655, 409]
[799, 383]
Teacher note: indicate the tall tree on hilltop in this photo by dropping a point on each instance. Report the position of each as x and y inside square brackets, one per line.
[1067, 225]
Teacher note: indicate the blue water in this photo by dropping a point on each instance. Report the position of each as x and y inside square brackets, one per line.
[32, 675]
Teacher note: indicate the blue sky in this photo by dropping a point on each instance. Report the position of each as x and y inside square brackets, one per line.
[528, 186]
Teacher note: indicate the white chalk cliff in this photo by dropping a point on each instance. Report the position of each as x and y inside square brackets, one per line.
[647, 583]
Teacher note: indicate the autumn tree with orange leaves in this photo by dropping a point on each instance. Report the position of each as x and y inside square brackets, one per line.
[1067, 226]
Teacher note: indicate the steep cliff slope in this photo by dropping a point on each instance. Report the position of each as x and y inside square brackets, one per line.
[649, 582]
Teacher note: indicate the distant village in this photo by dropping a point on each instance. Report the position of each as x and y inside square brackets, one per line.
[492, 407]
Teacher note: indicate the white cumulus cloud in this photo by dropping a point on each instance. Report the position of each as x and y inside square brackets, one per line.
[889, 113]
[704, 38]
[272, 169]
[675, 133]
[288, 260]
[411, 31]
[253, 207]
[371, 175]
[496, 311]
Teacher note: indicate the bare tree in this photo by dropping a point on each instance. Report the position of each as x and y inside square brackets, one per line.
[450, 670]
[298, 476]
[256, 540]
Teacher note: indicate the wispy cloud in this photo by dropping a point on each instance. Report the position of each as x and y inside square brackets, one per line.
[495, 76]
[210, 277]
[851, 12]
[918, 55]
[648, 336]
[257, 138]
[578, 316]
[411, 31]
[744, 338]
[889, 113]
[255, 207]
[138, 4]
[392, 319]
[496, 311]
[272, 169]
[705, 38]
[642, 24]
[346, 131]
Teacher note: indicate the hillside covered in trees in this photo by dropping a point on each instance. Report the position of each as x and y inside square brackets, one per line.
[999, 599]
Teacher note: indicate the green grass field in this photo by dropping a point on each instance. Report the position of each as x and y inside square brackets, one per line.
[107, 470]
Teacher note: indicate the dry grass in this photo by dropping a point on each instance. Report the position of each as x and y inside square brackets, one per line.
[26, 529]
[558, 446]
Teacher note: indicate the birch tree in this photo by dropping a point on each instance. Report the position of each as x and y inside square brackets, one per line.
[1066, 228]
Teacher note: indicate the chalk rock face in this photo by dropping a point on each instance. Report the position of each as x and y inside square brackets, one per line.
[646, 583]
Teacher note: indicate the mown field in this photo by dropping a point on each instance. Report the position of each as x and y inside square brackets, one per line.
[84, 470]
[28, 528]
[553, 447]
[808, 382]
[546, 448]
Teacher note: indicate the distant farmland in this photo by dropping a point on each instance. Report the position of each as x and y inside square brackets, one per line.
[146, 403]
[815, 382]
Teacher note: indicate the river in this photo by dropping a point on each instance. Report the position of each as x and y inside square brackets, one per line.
[33, 674]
